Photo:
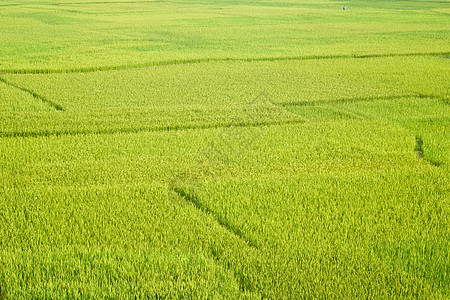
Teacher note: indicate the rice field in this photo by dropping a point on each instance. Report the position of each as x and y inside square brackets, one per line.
[224, 149]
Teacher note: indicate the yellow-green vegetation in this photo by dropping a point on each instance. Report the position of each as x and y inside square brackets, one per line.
[224, 149]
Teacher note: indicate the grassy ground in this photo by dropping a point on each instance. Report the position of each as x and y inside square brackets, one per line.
[224, 149]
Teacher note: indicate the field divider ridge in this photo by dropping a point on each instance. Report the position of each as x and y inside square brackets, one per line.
[445, 100]
[347, 113]
[359, 99]
[45, 133]
[190, 197]
[211, 60]
[35, 95]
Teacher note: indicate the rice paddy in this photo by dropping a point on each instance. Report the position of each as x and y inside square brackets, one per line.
[224, 149]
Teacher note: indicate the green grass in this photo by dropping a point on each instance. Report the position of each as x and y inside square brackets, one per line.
[224, 149]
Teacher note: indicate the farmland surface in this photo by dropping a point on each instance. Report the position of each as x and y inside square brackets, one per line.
[224, 149]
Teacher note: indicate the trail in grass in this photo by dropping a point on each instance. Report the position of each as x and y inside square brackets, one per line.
[56, 106]
[208, 60]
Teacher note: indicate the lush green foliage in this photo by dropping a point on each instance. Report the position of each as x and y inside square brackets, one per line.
[224, 149]
[68, 35]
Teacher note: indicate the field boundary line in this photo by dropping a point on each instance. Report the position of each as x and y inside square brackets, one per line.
[361, 99]
[346, 113]
[212, 60]
[35, 95]
[189, 197]
[45, 133]
[445, 100]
